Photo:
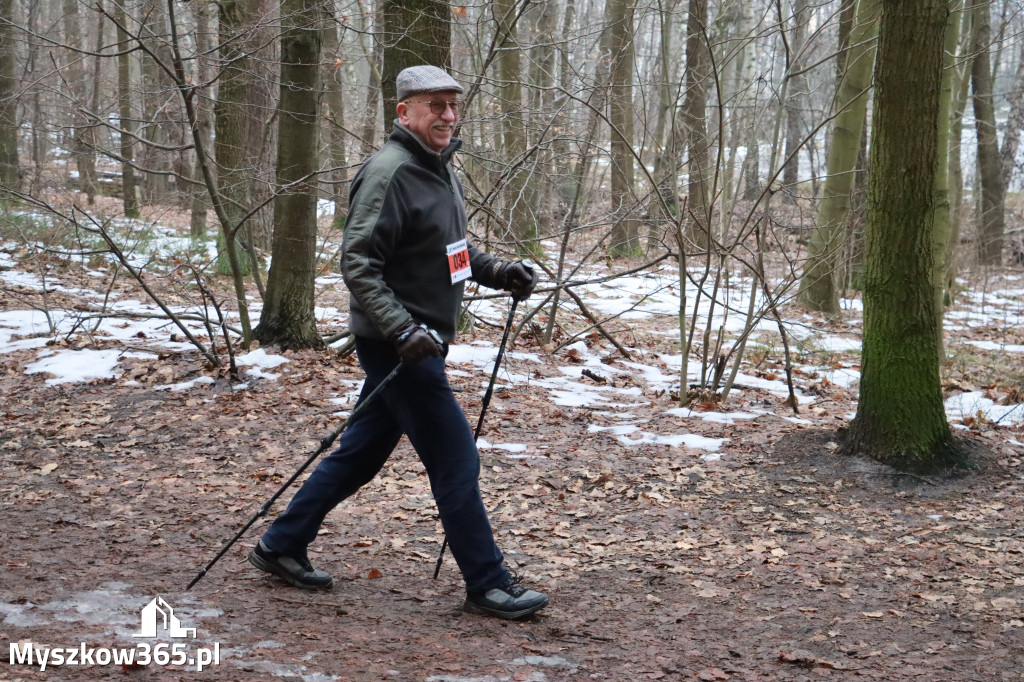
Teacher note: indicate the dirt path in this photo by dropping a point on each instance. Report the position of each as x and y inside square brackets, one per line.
[778, 561]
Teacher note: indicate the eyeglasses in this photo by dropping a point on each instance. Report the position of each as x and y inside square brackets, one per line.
[438, 107]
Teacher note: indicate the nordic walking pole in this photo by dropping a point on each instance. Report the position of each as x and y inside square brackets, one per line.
[325, 443]
[483, 408]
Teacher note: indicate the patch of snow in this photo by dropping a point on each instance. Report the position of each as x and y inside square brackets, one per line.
[1002, 347]
[631, 435]
[185, 385]
[964, 405]
[75, 366]
[710, 416]
[259, 360]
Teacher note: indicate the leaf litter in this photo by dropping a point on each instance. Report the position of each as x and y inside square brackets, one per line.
[748, 550]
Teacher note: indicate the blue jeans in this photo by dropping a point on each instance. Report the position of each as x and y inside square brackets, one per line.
[419, 403]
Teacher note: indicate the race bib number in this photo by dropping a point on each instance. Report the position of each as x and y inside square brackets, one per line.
[458, 261]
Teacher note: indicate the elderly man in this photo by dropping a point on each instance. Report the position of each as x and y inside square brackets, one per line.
[405, 261]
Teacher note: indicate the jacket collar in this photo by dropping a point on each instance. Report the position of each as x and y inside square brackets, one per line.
[412, 142]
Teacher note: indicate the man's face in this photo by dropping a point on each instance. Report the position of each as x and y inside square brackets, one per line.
[435, 130]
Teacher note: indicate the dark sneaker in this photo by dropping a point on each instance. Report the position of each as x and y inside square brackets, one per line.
[296, 571]
[510, 600]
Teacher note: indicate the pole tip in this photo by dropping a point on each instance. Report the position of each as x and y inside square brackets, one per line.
[196, 579]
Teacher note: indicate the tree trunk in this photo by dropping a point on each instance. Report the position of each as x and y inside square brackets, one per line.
[698, 73]
[74, 76]
[204, 116]
[797, 93]
[624, 236]
[819, 285]
[414, 32]
[993, 192]
[159, 125]
[518, 209]
[1014, 123]
[961, 89]
[288, 318]
[665, 206]
[10, 171]
[540, 191]
[943, 226]
[371, 109]
[900, 418]
[87, 161]
[127, 125]
[334, 123]
[241, 116]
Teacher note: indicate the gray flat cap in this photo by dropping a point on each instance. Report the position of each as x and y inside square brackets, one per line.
[417, 79]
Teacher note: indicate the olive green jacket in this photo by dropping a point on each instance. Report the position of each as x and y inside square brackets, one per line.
[406, 207]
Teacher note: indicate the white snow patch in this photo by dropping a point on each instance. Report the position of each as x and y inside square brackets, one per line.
[76, 366]
[630, 434]
[963, 405]
[716, 417]
[259, 360]
[185, 385]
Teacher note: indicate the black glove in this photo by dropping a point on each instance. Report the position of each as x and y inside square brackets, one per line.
[417, 342]
[520, 280]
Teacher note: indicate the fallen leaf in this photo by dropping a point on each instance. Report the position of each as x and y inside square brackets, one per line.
[804, 659]
[46, 469]
[374, 574]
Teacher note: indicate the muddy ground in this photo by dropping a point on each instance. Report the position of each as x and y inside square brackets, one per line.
[782, 560]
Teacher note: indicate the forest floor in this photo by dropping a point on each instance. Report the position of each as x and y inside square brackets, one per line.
[771, 557]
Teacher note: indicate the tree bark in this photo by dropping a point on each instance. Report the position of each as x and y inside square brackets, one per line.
[129, 192]
[87, 162]
[241, 116]
[518, 213]
[371, 108]
[943, 226]
[334, 123]
[1014, 123]
[204, 115]
[667, 141]
[819, 285]
[993, 192]
[74, 75]
[10, 171]
[797, 93]
[624, 240]
[900, 418]
[160, 125]
[288, 318]
[540, 191]
[698, 73]
[961, 90]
